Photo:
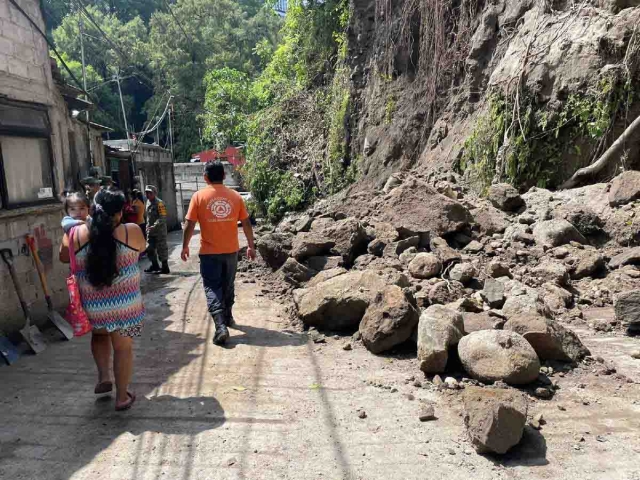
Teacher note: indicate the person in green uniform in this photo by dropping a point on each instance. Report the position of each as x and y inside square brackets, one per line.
[157, 248]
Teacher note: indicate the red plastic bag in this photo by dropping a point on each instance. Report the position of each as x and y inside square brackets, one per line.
[75, 314]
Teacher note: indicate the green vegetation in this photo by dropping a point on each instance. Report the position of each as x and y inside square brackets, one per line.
[238, 74]
[540, 138]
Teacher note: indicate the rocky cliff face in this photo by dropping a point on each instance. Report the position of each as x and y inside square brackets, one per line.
[524, 91]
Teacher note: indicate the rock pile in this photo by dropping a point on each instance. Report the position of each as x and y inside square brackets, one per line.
[487, 282]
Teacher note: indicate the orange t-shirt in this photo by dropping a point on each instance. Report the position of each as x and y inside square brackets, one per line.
[217, 209]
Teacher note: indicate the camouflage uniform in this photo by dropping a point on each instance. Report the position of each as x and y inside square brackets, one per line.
[157, 231]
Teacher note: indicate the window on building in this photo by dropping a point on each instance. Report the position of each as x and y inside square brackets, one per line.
[26, 168]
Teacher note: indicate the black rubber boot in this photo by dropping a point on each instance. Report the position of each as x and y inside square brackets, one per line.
[222, 333]
[228, 319]
[165, 268]
[154, 268]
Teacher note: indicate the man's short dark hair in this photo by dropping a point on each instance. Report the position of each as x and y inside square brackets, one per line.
[214, 170]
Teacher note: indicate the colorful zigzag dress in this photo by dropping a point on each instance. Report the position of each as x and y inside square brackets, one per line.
[118, 307]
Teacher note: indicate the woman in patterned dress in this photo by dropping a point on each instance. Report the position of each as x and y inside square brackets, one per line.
[108, 276]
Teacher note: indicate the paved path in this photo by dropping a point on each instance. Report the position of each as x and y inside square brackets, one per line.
[272, 406]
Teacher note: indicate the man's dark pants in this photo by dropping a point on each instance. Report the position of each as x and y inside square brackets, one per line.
[218, 277]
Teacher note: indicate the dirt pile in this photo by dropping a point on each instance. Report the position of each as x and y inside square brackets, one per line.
[497, 305]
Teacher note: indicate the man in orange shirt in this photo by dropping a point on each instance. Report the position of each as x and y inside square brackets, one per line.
[218, 209]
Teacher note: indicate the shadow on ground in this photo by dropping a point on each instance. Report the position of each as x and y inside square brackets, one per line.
[52, 424]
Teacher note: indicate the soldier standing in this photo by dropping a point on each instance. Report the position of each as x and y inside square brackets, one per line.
[156, 232]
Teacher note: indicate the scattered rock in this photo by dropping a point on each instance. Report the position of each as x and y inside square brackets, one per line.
[325, 275]
[474, 247]
[275, 248]
[543, 393]
[549, 339]
[408, 255]
[439, 329]
[376, 247]
[451, 383]
[494, 418]
[427, 413]
[340, 302]
[551, 271]
[522, 299]
[491, 355]
[554, 233]
[497, 269]
[311, 244]
[347, 347]
[504, 197]
[463, 273]
[493, 293]
[628, 257]
[556, 298]
[537, 422]
[636, 354]
[627, 308]
[490, 220]
[362, 414]
[321, 263]
[443, 293]
[625, 188]
[443, 251]
[294, 273]
[586, 263]
[474, 322]
[415, 207]
[389, 320]
[425, 265]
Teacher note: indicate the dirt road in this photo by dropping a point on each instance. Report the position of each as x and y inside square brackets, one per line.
[273, 405]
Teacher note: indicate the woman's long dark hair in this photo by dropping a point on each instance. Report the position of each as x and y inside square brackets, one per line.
[102, 268]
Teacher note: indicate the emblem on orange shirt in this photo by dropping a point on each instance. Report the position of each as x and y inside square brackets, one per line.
[220, 207]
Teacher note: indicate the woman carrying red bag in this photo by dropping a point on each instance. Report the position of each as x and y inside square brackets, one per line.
[108, 277]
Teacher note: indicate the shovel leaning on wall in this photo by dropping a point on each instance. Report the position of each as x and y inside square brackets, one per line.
[54, 317]
[30, 333]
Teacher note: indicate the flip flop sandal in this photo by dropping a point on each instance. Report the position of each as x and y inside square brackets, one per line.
[126, 405]
[103, 387]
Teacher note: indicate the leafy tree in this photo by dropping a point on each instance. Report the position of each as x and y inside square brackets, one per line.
[198, 36]
[125, 10]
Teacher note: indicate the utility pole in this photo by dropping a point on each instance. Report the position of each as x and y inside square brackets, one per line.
[124, 117]
[171, 135]
[84, 84]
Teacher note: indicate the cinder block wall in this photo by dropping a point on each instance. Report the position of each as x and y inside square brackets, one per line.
[25, 75]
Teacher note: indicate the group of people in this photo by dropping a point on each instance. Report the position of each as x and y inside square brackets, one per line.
[103, 245]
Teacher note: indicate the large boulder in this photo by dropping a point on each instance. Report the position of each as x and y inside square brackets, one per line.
[474, 322]
[630, 256]
[522, 299]
[556, 298]
[504, 197]
[425, 265]
[349, 237]
[275, 248]
[439, 329]
[340, 302]
[389, 321]
[320, 263]
[415, 207]
[311, 244]
[495, 418]
[490, 220]
[551, 271]
[326, 275]
[554, 233]
[585, 263]
[496, 269]
[493, 355]
[627, 308]
[549, 339]
[625, 188]
[295, 273]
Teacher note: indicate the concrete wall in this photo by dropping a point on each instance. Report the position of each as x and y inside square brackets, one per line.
[25, 75]
[189, 179]
[154, 166]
